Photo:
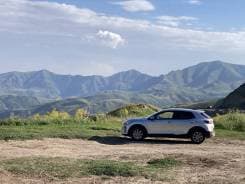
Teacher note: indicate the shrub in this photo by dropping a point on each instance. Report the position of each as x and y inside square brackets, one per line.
[80, 114]
[57, 117]
[233, 120]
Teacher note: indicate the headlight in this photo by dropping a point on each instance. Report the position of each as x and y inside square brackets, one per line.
[126, 123]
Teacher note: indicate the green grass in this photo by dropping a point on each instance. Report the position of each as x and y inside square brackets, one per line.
[70, 130]
[234, 121]
[61, 168]
[61, 125]
[228, 134]
[163, 163]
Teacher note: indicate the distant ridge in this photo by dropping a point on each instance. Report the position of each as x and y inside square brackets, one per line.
[202, 82]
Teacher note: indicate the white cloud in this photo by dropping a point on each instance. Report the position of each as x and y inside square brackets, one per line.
[175, 21]
[110, 39]
[49, 18]
[79, 32]
[136, 5]
[195, 2]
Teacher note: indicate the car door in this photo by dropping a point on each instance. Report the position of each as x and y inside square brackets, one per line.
[160, 123]
[182, 122]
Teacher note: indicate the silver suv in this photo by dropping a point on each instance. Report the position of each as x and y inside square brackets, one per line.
[177, 123]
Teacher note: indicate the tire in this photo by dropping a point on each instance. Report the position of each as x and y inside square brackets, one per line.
[138, 133]
[197, 136]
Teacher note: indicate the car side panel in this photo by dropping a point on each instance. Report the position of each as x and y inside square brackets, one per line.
[158, 126]
[180, 127]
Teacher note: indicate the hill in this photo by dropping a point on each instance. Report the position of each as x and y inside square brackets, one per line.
[202, 82]
[199, 82]
[101, 103]
[12, 103]
[235, 100]
[134, 110]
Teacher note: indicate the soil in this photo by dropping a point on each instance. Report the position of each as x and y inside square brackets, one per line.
[215, 161]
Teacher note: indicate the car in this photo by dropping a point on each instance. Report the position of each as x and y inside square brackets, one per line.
[175, 122]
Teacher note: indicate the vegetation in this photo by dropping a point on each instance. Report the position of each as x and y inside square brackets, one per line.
[11, 102]
[61, 168]
[234, 121]
[163, 163]
[133, 110]
[57, 124]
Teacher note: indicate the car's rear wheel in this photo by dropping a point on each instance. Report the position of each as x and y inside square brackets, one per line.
[138, 133]
[197, 136]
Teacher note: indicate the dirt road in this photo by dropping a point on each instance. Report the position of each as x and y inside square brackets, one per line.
[215, 161]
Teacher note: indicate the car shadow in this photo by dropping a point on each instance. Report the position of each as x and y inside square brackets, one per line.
[113, 140]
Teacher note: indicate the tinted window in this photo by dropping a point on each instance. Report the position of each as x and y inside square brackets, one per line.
[205, 115]
[165, 115]
[183, 115]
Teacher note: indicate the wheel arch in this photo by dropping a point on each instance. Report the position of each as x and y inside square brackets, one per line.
[197, 128]
[137, 126]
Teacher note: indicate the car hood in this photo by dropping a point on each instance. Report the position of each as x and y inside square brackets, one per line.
[133, 120]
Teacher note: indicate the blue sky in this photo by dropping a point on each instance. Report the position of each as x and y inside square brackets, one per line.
[107, 36]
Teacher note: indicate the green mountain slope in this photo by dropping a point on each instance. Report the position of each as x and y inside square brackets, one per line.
[235, 100]
[199, 82]
[100, 103]
[11, 103]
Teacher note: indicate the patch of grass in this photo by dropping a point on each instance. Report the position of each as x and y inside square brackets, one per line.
[222, 133]
[61, 168]
[70, 130]
[234, 121]
[163, 163]
[113, 168]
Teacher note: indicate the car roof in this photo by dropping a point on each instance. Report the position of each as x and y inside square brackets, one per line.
[180, 109]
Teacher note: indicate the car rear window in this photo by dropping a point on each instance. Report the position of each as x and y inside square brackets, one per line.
[183, 115]
[203, 114]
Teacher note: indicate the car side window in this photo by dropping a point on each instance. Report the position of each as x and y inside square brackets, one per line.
[165, 115]
[183, 115]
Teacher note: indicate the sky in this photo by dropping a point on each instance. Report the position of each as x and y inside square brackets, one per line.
[102, 37]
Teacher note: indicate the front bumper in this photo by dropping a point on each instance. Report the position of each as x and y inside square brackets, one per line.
[124, 130]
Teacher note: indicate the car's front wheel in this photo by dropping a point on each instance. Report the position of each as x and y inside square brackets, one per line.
[197, 136]
[138, 133]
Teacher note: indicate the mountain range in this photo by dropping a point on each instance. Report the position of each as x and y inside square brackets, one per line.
[201, 82]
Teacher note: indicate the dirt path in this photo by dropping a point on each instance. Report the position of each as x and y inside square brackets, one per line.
[215, 161]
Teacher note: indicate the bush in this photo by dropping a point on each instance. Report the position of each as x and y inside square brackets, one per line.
[233, 120]
[80, 114]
